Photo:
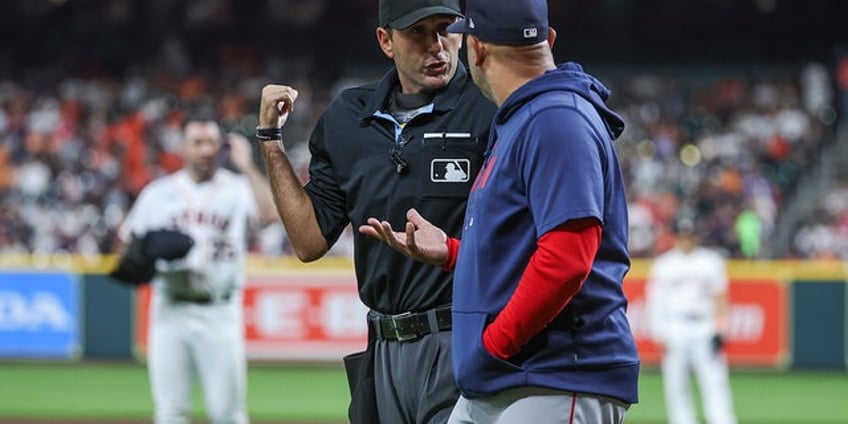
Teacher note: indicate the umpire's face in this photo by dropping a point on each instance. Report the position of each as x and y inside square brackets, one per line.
[201, 147]
[425, 54]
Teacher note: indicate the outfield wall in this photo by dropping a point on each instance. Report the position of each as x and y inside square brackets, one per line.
[784, 314]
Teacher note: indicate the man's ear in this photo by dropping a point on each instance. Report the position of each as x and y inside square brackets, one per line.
[479, 50]
[552, 34]
[385, 41]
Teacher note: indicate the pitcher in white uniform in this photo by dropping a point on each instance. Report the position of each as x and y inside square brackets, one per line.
[196, 326]
[688, 309]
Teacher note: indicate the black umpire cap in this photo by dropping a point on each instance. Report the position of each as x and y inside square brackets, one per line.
[399, 14]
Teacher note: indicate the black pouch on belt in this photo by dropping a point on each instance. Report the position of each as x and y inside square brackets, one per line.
[359, 367]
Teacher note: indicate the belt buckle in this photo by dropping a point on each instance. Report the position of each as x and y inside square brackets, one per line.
[402, 338]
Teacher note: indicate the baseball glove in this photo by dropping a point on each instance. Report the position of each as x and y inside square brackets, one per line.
[167, 244]
[137, 263]
[134, 266]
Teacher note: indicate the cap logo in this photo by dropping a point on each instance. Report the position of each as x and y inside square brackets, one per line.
[530, 32]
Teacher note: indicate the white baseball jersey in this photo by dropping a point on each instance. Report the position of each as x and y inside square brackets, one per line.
[681, 294]
[215, 213]
[683, 287]
[204, 339]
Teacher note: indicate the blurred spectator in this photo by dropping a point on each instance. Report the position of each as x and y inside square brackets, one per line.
[825, 234]
[842, 83]
[748, 232]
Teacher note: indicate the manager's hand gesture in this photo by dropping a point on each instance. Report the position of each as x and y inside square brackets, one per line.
[421, 240]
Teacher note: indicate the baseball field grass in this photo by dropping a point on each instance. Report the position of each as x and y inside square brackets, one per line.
[119, 393]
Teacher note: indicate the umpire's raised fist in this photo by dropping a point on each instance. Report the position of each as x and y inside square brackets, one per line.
[276, 104]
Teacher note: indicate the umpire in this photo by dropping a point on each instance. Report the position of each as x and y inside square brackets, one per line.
[413, 139]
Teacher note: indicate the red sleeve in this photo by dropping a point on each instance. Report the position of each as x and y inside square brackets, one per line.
[556, 272]
[453, 249]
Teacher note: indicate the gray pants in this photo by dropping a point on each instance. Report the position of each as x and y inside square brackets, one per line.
[538, 406]
[414, 380]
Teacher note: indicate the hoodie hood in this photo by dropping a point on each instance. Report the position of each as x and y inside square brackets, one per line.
[567, 77]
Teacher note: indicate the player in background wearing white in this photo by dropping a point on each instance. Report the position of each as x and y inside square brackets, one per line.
[688, 308]
[196, 320]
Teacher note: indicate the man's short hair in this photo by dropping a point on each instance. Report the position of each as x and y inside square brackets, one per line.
[200, 116]
[683, 225]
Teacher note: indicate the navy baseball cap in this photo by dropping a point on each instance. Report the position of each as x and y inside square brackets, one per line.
[399, 14]
[505, 22]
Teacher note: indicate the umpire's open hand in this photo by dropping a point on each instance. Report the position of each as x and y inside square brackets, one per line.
[421, 241]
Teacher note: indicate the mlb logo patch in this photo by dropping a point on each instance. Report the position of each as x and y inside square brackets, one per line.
[450, 170]
[530, 32]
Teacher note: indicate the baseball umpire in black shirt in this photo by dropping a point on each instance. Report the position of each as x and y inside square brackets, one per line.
[413, 139]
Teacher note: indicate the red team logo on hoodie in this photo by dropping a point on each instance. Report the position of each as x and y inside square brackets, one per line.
[483, 176]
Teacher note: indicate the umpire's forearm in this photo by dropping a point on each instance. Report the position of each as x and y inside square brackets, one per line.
[293, 205]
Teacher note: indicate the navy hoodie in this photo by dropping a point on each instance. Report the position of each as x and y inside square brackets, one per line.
[550, 159]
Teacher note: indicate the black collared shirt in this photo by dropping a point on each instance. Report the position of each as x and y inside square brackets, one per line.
[352, 177]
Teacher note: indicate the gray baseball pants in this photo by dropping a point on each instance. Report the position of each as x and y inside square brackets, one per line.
[538, 406]
[414, 380]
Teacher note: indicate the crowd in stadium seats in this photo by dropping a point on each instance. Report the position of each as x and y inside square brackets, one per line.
[76, 151]
[724, 147]
[727, 147]
[824, 234]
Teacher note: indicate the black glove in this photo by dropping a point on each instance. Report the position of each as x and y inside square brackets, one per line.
[137, 263]
[167, 244]
[717, 343]
[134, 266]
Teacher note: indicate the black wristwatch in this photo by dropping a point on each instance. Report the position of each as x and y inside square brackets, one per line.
[268, 134]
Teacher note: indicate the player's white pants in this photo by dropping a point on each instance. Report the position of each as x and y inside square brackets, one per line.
[188, 341]
[688, 348]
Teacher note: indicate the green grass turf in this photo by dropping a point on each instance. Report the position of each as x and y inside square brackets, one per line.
[761, 398]
[287, 392]
[122, 390]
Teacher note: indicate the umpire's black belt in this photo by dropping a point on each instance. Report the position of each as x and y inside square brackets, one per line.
[410, 326]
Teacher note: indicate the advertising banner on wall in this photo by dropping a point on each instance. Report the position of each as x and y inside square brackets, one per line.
[297, 316]
[758, 322]
[39, 315]
[318, 316]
